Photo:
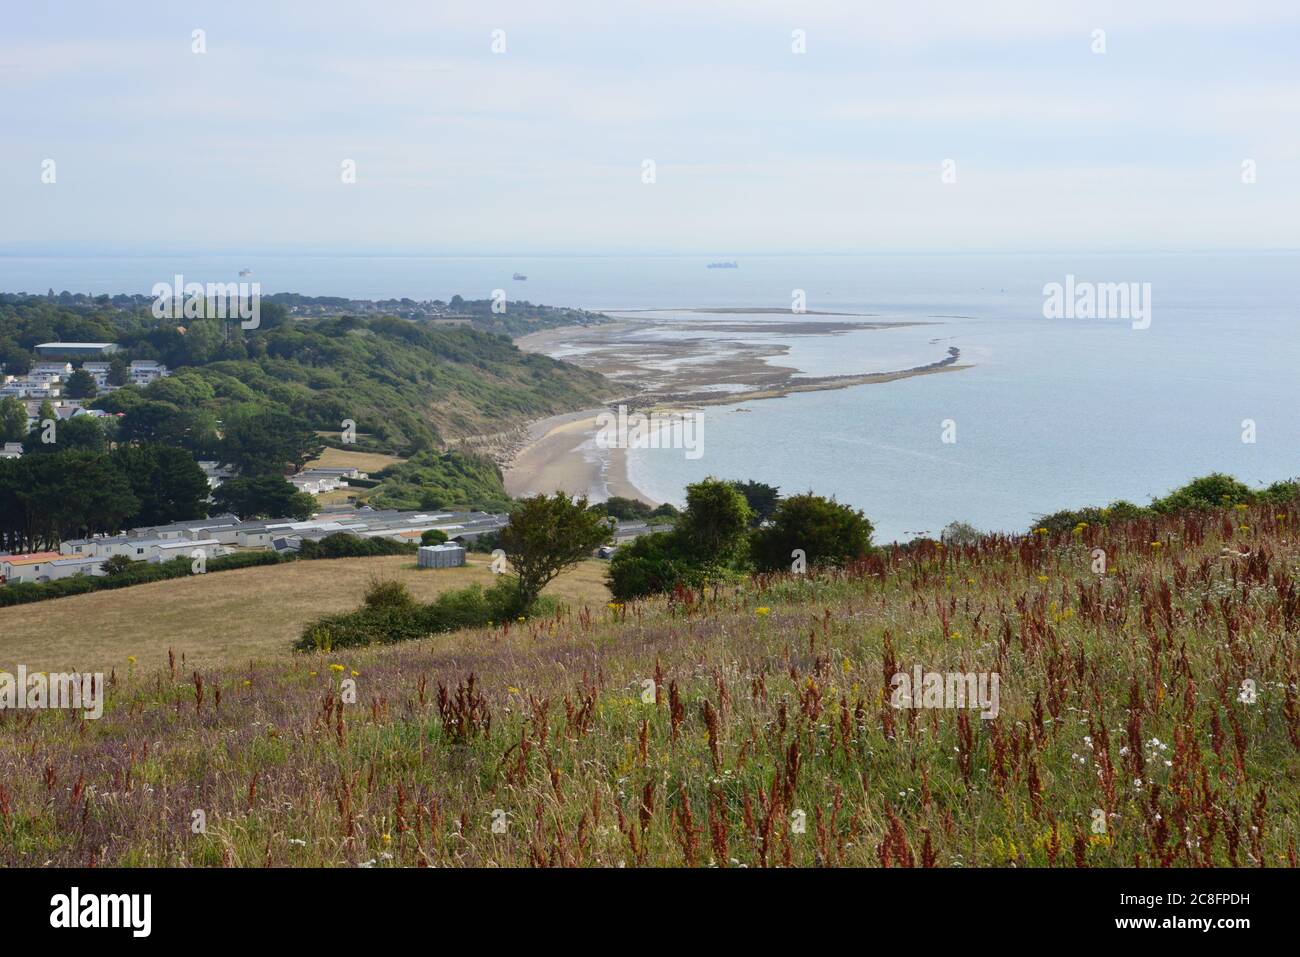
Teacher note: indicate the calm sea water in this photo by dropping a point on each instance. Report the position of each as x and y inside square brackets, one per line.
[1054, 413]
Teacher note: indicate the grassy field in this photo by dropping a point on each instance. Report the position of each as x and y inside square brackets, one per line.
[1148, 715]
[370, 462]
[228, 617]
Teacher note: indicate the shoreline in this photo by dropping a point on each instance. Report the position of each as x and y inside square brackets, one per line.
[558, 453]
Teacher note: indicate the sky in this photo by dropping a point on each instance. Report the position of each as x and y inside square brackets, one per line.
[540, 146]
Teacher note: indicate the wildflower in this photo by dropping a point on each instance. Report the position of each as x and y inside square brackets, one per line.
[130, 659]
[1040, 531]
[521, 618]
[512, 689]
[387, 839]
[1155, 544]
[337, 669]
[248, 683]
[764, 611]
[1042, 578]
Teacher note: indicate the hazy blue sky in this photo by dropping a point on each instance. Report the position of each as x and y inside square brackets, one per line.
[540, 148]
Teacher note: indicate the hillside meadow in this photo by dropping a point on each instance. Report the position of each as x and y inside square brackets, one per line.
[229, 617]
[1147, 715]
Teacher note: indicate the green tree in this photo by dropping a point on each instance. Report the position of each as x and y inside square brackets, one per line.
[119, 372]
[433, 536]
[715, 522]
[13, 420]
[827, 532]
[623, 509]
[80, 385]
[269, 443]
[168, 482]
[116, 564]
[761, 498]
[168, 424]
[546, 536]
[81, 433]
[263, 496]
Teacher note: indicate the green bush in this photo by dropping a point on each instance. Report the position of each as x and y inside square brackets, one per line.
[348, 545]
[1215, 490]
[827, 532]
[389, 614]
[650, 565]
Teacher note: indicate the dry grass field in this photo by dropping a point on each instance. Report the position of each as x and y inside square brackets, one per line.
[228, 617]
[366, 461]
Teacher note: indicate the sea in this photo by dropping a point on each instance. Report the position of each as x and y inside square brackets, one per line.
[1052, 413]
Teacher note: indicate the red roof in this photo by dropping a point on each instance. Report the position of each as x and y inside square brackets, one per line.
[31, 558]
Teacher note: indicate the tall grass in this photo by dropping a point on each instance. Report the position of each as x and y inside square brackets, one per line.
[1149, 716]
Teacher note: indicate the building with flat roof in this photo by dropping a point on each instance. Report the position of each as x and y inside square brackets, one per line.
[75, 350]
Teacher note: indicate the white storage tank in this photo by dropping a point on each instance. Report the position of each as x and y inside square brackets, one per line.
[441, 556]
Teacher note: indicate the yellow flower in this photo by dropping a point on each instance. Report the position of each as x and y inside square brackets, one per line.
[248, 683]
[356, 674]
[1155, 544]
[337, 669]
[311, 674]
[388, 839]
[1040, 531]
[764, 611]
[130, 659]
[1042, 578]
[512, 689]
[955, 634]
[521, 617]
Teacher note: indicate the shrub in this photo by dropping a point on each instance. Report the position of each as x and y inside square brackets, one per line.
[433, 536]
[348, 545]
[827, 532]
[1215, 490]
[389, 614]
[649, 565]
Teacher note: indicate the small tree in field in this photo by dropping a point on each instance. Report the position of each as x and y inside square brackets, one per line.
[546, 536]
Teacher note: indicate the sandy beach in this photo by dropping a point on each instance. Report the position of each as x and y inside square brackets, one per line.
[561, 455]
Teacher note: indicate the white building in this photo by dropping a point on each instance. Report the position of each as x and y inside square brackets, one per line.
[27, 567]
[166, 551]
[144, 371]
[72, 567]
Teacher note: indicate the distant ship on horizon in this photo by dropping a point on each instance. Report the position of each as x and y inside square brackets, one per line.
[245, 272]
[724, 265]
[519, 277]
